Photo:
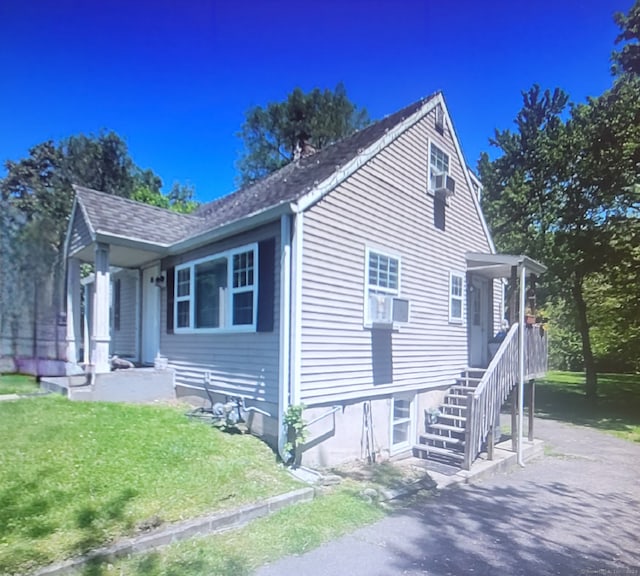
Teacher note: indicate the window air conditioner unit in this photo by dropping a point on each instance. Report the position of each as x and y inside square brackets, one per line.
[444, 184]
[385, 310]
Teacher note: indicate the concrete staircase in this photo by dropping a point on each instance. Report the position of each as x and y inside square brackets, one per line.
[444, 439]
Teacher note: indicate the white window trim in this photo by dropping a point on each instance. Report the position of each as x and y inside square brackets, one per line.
[402, 446]
[228, 327]
[382, 252]
[456, 274]
[441, 148]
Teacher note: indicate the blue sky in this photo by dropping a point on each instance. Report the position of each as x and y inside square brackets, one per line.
[174, 78]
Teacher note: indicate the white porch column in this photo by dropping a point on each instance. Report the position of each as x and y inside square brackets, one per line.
[100, 337]
[73, 309]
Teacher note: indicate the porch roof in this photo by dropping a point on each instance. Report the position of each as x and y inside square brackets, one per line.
[499, 265]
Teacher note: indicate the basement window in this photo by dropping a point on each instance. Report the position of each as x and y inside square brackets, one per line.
[401, 422]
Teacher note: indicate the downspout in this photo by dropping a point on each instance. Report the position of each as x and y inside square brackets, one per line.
[523, 278]
[285, 329]
[296, 306]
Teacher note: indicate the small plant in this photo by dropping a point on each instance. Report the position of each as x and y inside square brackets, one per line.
[296, 432]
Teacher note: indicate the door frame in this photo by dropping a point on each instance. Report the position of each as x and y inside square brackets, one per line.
[150, 315]
[479, 294]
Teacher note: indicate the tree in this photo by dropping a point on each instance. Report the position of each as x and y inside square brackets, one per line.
[181, 198]
[627, 59]
[272, 136]
[562, 190]
[36, 197]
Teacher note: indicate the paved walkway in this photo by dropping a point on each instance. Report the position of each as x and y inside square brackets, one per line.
[575, 511]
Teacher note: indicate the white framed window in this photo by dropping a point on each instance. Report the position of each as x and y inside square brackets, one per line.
[401, 424]
[219, 292]
[456, 299]
[438, 164]
[382, 284]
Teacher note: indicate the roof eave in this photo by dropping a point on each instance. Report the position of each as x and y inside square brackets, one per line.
[496, 260]
[120, 240]
[232, 228]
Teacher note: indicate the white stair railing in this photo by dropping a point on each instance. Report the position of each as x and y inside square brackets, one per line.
[484, 404]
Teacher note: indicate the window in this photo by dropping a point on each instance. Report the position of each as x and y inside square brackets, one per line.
[456, 283]
[438, 164]
[218, 292]
[401, 420]
[382, 284]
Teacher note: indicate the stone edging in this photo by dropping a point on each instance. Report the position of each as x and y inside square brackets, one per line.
[201, 526]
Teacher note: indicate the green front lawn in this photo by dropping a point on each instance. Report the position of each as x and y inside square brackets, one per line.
[617, 410]
[77, 475]
[17, 384]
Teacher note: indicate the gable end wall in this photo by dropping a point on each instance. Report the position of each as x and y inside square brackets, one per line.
[80, 234]
[385, 205]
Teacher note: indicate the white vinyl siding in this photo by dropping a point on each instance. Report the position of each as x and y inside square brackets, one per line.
[236, 362]
[384, 205]
[124, 314]
[80, 235]
[456, 297]
[218, 292]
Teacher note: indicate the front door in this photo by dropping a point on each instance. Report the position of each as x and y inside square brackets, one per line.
[150, 314]
[478, 322]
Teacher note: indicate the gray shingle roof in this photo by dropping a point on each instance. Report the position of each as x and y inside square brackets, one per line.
[118, 216]
[297, 178]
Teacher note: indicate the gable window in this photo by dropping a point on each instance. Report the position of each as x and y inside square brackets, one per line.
[382, 284]
[218, 292]
[456, 284]
[438, 164]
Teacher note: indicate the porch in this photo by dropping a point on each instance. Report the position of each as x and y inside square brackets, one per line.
[468, 420]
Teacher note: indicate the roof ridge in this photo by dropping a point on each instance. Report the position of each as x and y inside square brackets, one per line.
[206, 209]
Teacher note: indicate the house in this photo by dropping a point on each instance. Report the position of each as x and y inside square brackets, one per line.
[360, 281]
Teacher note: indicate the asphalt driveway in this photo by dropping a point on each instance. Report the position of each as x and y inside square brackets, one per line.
[575, 511]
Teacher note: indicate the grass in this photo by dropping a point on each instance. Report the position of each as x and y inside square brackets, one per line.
[17, 384]
[617, 409]
[293, 530]
[74, 475]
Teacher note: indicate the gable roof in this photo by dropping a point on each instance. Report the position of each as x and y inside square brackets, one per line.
[296, 186]
[116, 216]
[299, 177]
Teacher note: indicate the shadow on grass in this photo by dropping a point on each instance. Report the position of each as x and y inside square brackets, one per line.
[617, 409]
[152, 565]
[94, 524]
[23, 506]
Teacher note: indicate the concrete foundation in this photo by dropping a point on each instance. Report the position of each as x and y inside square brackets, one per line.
[362, 429]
